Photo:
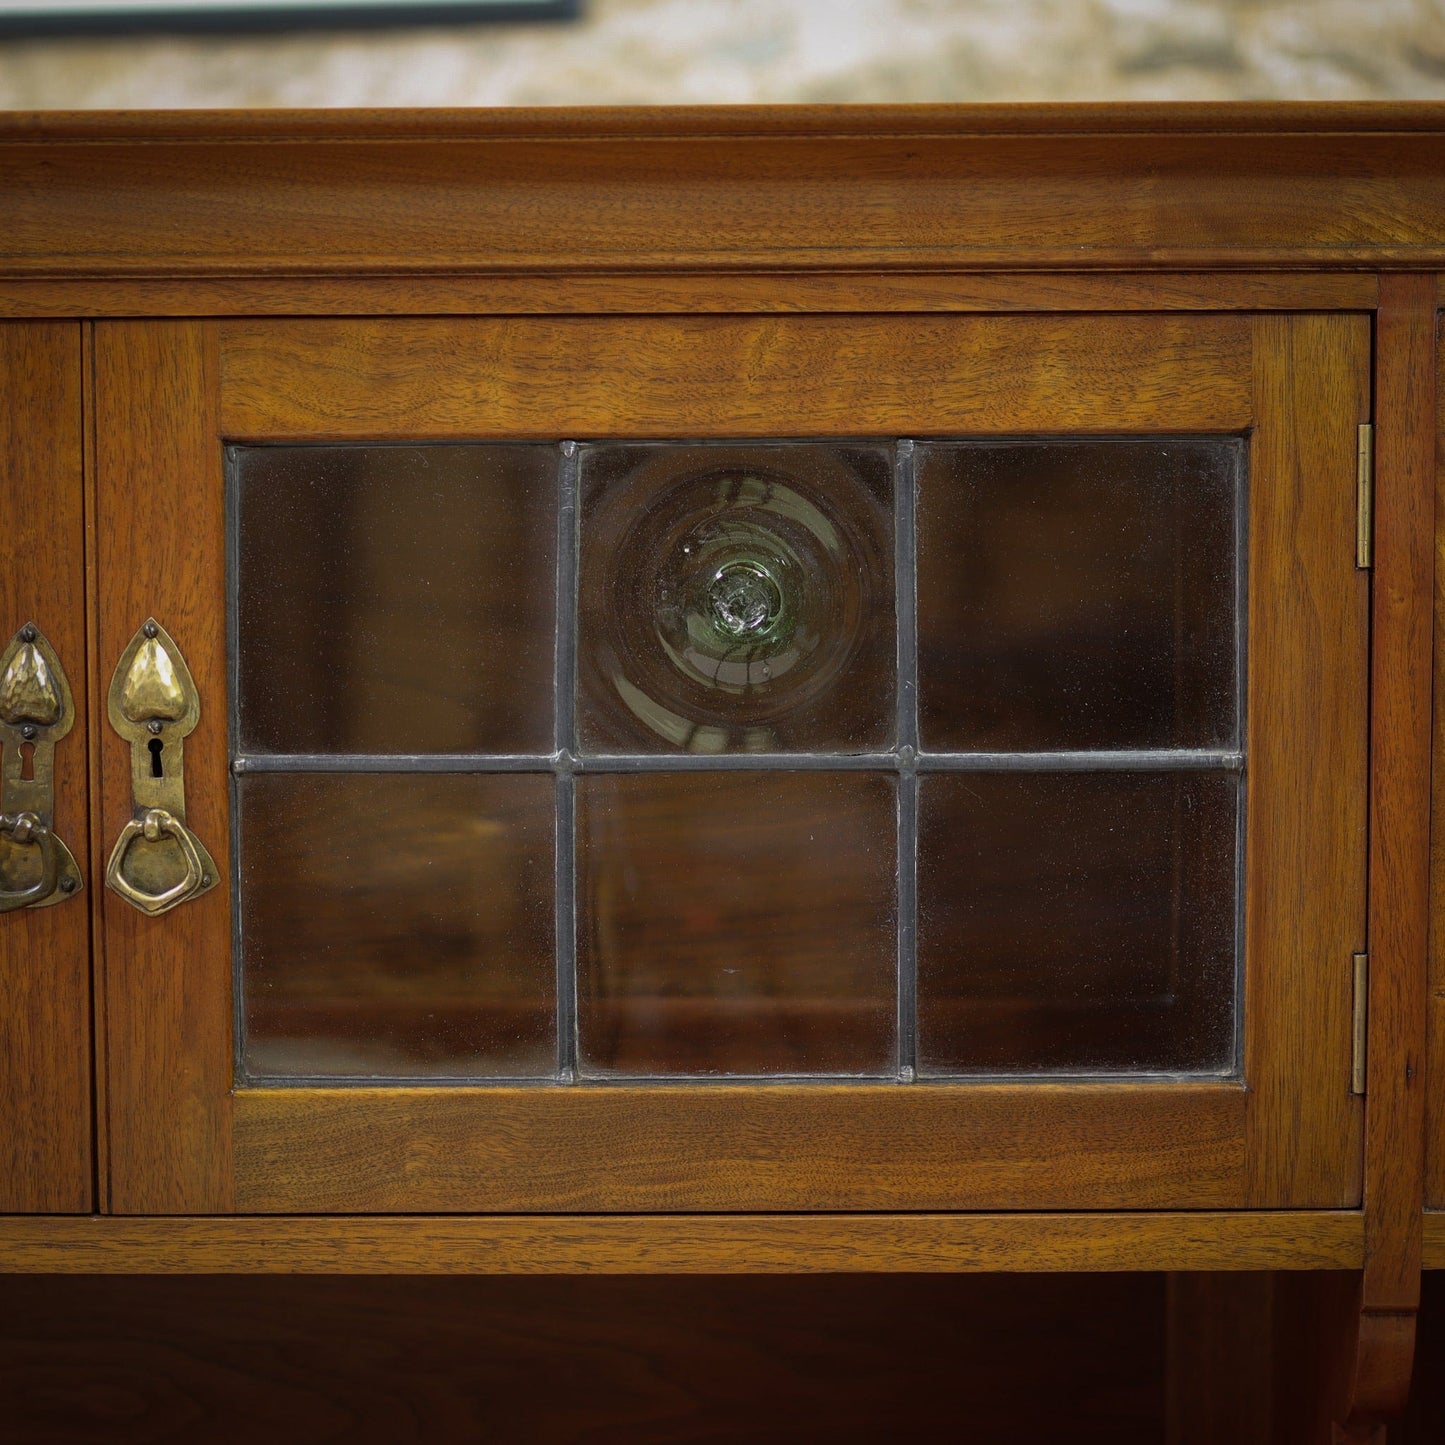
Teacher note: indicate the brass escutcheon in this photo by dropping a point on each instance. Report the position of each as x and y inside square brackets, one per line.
[36, 711]
[157, 861]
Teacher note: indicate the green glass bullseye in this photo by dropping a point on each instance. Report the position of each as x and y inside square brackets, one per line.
[735, 589]
[745, 599]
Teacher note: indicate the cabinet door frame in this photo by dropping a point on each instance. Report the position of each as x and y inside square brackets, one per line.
[1288, 1134]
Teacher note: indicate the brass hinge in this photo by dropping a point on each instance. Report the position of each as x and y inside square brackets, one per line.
[1358, 1036]
[1365, 496]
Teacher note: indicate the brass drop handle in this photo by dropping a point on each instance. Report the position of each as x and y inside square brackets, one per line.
[36, 711]
[155, 825]
[27, 828]
[157, 861]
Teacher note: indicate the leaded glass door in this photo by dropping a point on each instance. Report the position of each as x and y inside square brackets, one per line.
[751, 763]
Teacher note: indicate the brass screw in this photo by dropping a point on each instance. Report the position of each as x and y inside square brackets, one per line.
[149, 629]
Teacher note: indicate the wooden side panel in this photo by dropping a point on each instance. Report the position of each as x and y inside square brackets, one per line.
[45, 1038]
[1405, 387]
[168, 983]
[1307, 759]
[1400, 786]
[733, 376]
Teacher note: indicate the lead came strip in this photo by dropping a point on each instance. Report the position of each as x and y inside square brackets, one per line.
[905, 573]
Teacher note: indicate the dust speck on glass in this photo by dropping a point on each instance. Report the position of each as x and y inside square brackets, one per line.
[877, 760]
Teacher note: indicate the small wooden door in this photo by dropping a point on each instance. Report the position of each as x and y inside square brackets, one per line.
[45, 1036]
[878, 950]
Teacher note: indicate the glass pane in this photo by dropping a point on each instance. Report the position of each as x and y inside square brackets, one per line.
[396, 599]
[1076, 922]
[1077, 594]
[397, 924]
[737, 923]
[736, 598]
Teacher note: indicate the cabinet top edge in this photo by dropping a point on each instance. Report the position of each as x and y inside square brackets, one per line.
[613, 123]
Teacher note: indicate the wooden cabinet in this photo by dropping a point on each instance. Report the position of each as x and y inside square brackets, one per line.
[778, 691]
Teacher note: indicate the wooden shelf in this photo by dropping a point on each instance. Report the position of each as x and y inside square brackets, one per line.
[685, 1244]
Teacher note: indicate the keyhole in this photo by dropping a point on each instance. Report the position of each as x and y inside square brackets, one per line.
[27, 762]
[155, 745]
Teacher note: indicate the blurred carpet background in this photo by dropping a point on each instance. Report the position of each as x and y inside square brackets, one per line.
[719, 51]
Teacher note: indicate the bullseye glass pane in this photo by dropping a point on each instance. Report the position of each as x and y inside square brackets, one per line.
[1078, 594]
[1076, 922]
[395, 599]
[736, 598]
[397, 925]
[737, 923]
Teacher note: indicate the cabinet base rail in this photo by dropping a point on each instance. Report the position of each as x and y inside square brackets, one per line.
[682, 1243]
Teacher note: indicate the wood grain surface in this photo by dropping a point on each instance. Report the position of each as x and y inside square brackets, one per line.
[1433, 1244]
[594, 377]
[697, 292]
[1435, 984]
[168, 979]
[904, 188]
[1399, 844]
[686, 1243]
[45, 1065]
[1401, 655]
[855, 1359]
[1307, 747]
[735, 1147]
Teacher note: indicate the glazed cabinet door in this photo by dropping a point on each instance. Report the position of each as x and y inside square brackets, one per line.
[45, 976]
[732, 763]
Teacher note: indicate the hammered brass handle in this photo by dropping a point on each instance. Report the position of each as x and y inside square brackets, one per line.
[154, 705]
[27, 828]
[154, 825]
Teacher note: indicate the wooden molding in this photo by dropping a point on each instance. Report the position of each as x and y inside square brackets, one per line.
[684, 1244]
[693, 293]
[736, 189]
